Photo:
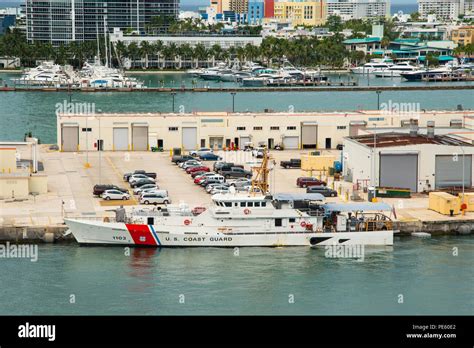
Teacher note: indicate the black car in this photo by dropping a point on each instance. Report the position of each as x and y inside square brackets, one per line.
[142, 182]
[324, 190]
[101, 188]
[178, 159]
[127, 176]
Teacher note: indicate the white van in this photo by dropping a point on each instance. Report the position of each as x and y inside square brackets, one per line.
[155, 198]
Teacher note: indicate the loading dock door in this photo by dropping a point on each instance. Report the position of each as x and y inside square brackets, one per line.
[448, 170]
[189, 139]
[70, 138]
[309, 136]
[120, 139]
[243, 141]
[399, 170]
[139, 138]
[290, 143]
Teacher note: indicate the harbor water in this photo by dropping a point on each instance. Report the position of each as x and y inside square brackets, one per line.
[416, 276]
[22, 112]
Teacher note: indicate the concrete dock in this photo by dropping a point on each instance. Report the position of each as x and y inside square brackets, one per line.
[70, 183]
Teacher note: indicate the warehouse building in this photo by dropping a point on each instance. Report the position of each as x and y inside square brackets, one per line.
[419, 162]
[218, 130]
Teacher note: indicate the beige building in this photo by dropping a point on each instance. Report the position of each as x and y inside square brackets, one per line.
[140, 132]
[15, 181]
[238, 6]
[463, 36]
[301, 12]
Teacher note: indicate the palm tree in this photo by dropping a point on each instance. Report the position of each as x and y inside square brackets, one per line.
[146, 49]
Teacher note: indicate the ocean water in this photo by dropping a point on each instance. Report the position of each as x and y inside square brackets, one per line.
[21, 112]
[104, 281]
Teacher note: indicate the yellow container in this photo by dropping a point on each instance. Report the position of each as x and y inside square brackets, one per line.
[443, 203]
[468, 200]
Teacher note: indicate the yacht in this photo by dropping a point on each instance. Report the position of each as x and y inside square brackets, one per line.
[96, 75]
[421, 74]
[47, 74]
[374, 64]
[395, 70]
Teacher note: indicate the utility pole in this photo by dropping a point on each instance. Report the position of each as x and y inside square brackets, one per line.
[233, 101]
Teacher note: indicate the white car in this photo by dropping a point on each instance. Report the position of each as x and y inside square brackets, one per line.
[153, 190]
[241, 182]
[220, 190]
[140, 189]
[258, 152]
[201, 151]
[114, 195]
[191, 163]
[154, 198]
[205, 175]
[211, 187]
[136, 177]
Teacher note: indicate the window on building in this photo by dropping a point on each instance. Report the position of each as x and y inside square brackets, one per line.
[257, 128]
[341, 127]
[87, 129]
[291, 128]
[274, 128]
[172, 129]
[240, 128]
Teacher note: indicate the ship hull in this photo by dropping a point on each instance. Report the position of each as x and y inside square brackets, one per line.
[104, 233]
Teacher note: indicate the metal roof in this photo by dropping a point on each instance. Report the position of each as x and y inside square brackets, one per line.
[330, 207]
[395, 139]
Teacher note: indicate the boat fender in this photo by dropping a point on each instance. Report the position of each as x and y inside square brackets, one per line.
[187, 222]
[421, 234]
[247, 211]
[303, 224]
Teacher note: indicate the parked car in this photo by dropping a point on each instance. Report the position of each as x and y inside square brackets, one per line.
[240, 182]
[139, 190]
[210, 187]
[151, 190]
[218, 165]
[324, 190]
[197, 168]
[236, 172]
[200, 178]
[292, 163]
[216, 179]
[198, 173]
[126, 176]
[229, 166]
[309, 181]
[209, 156]
[136, 177]
[190, 163]
[220, 190]
[258, 152]
[154, 198]
[141, 182]
[179, 159]
[115, 194]
[101, 188]
[201, 151]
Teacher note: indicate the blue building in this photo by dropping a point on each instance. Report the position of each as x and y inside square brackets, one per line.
[255, 11]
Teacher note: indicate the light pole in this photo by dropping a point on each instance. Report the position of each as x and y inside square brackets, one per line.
[378, 98]
[99, 144]
[173, 95]
[233, 101]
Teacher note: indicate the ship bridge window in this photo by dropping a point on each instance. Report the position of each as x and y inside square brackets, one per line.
[228, 204]
[264, 204]
[249, 204]
[242, 204]
[257, 204]
[292, 220]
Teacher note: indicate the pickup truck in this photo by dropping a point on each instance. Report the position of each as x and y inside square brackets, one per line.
[127, 176]
[178, 159]
[292, 163]
[235, 172]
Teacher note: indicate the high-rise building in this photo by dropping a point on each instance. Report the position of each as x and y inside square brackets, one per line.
[445, 9]
[358, 9]
[301, 12]
[239, 6]
[269, 8]
[62, 21]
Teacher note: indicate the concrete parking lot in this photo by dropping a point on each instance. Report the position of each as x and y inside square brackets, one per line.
[70, 185]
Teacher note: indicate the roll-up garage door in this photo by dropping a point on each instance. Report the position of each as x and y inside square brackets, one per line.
[121, 139]
[448, 170]
[243, 141]
[70, 138]
[290, 143]
[189, 139]
[139, 137]
[309, 135]
[399, 170]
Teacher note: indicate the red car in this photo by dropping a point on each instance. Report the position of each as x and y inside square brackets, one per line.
[195, 174]
[197, 169]
[308, 181]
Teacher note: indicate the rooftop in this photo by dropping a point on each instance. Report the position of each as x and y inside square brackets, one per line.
[361, 41]
[395, 139]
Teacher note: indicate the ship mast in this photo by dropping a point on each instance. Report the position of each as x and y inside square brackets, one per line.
[260, 178]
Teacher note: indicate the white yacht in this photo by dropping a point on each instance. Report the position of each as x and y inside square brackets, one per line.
[374, 64]
[96, 75]
[47, 74]
[395, 70]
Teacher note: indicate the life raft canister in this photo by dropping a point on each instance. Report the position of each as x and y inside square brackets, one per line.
[187, 222]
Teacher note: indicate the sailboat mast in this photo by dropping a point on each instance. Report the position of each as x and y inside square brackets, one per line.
[98, 42]
[106, 44]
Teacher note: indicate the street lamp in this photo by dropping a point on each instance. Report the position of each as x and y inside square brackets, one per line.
[233, 101]
[173, 95]
[378, 98]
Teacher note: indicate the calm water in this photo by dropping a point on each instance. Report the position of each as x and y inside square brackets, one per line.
[35, 111]
[259, 281]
